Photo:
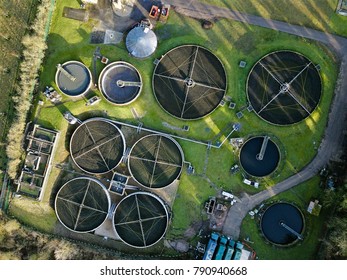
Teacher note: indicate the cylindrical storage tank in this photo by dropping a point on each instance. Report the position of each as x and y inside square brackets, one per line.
[141, 219]
[141, 42]
[284, 87]
[73, 78]
[97, 146]
[120, 83]
[82, 204]
[155, 161]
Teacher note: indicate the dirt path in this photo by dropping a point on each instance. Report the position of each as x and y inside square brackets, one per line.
[336, 123]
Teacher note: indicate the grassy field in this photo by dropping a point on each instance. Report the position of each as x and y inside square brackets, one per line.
[301, 195]
[189, 203]
[231, 42]
[33, 213]
[14, 19]
[317, 14]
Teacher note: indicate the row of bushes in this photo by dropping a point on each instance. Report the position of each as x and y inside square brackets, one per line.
[34, 44]
[18, 242]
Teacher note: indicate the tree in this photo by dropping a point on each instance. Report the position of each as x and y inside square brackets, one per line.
[335, 243]
[33, 54]
[63, 250]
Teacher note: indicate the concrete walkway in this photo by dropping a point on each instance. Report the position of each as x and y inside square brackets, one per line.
[333, 137]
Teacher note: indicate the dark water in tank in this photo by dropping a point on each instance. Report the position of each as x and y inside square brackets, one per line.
[249, 161]
[78, 86]
[277, 213]
[116, 94]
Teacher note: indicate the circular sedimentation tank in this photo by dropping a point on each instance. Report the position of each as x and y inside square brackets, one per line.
[120, 83]
[97, 146]
[155, 161]
[73, 78]
[282, 224]
[284, 87]
[82, 204]
[259, 156]
[141, 219]
[189, 82]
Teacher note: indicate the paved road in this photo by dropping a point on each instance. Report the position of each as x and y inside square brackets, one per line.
[333, 137]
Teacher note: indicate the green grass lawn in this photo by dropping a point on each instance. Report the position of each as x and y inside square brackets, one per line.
[317, 14]
[189, 204]
[300, 195]
[231, 42]
[34, 214]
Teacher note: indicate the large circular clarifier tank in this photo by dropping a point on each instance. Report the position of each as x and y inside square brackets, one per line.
[284, 87]
[120, 83]
[140, 219]
[82, 204]
[189, 82]
[73, 78]
[97, 146]
[155, 161]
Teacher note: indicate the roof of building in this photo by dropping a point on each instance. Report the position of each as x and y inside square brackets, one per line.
[141, 42]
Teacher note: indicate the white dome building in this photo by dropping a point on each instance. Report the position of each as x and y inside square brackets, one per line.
[141, 42]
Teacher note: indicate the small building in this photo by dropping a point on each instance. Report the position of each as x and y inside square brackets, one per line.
[164, 14]
[230, 250]
[238, 254]
[245, 255]
[210, 205]
[211, 246]
[314, 208]
[221, 248]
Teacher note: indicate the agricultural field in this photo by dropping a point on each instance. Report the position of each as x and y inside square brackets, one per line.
[316, 14]
[231, 42]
